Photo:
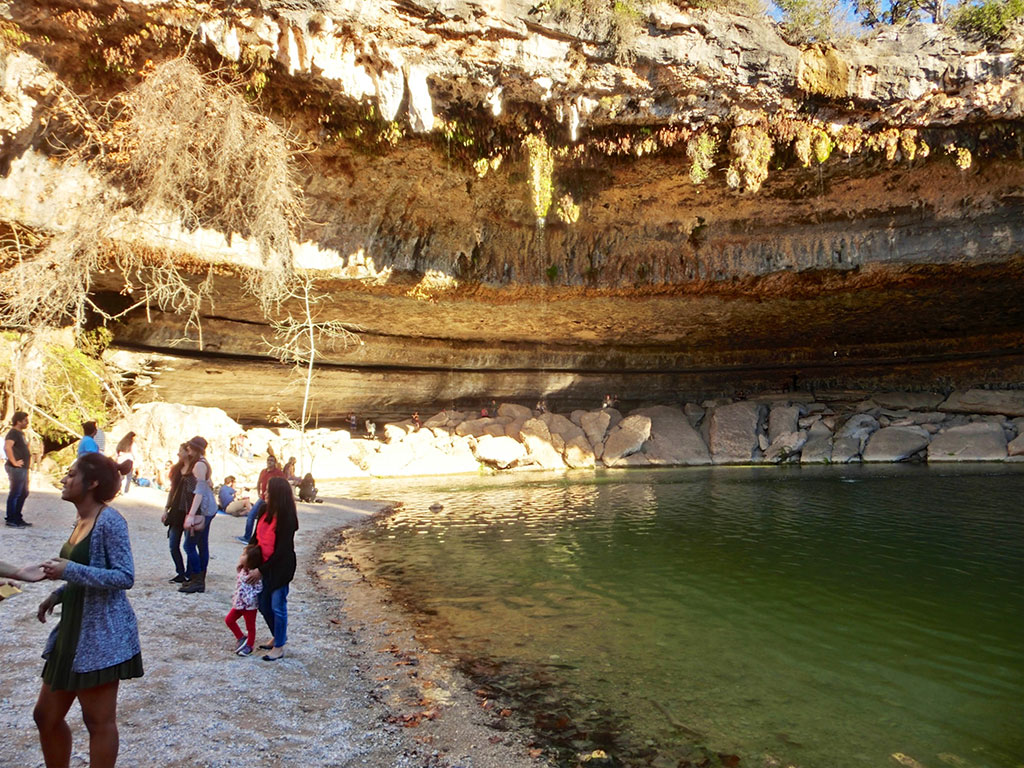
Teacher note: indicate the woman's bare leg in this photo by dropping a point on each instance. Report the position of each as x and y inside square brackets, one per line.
[54, 733]
[99, 711]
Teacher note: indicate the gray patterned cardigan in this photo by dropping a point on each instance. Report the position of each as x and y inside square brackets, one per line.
[109, 633]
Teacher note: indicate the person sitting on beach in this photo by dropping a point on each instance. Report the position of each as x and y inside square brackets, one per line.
[244, 601]
[228, 501]
[307, 488]
[96, 644]
[272, 470]
[88, 442]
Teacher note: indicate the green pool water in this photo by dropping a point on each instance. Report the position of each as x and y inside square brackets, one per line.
[826, 617]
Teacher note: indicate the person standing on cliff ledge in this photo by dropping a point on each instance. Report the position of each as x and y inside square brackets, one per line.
[17, 460]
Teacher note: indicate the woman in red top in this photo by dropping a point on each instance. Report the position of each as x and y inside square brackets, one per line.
[275, 534]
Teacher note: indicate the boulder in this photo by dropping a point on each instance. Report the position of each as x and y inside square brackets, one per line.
[439, 419]
[501, 452]
[576, 417]
[860, 427]
[515, 412]
[732, 435]
[161, 427]
[578, 453]
[475, 427]
[785, 445]
[783, 420]
[495, 430]
[845, 450]
[911, 401]
[625, 439]
[515, 428]
[1016, 447]
[1010, 403]
[673, 439]
[395, 433]
[818, 448]
[561, 426]
[694, 413]
[420, 453]
[895, 443]
[614, 414]
[595, 425]
[537, 439]
[978, 441]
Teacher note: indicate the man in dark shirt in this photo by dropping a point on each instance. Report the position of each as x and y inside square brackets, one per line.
[17, 454]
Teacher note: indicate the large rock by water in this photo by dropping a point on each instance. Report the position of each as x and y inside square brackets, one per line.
[579, 454]
[783, 419]
[595, 424]
[733, 432]
[818, 448]
[625, 439]
[978, 441]
[895, 443]
[673, 440]
[985, 401]
[501, 452]
[786, 445]
[539, 445]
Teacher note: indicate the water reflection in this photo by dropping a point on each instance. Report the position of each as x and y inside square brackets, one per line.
[830, 617]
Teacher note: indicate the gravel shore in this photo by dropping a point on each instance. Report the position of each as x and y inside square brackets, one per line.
[355, 688]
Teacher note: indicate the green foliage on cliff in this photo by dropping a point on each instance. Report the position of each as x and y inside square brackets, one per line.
[807, 21]
[542, 166]
[987, 19]
[72, 392]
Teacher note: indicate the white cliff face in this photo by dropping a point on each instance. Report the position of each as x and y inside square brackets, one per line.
[694, 67]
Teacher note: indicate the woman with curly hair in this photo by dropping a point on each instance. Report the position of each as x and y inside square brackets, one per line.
[96, 643]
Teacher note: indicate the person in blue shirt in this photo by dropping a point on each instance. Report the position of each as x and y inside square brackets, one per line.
[228, 501]
[88, 442]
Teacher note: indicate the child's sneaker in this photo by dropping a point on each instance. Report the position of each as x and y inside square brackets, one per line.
[239, 644]
[244, 650]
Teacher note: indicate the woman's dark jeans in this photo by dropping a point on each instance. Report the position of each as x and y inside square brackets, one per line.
[174, 537]
[197, 548]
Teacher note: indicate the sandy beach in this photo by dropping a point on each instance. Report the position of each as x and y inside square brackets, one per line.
[356, 687]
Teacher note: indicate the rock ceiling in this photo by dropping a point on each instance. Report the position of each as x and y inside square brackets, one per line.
[884, 266]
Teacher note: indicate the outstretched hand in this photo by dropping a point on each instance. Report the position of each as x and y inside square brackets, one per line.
[30, 573]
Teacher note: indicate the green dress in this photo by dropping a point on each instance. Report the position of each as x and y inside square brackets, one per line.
[57, 671]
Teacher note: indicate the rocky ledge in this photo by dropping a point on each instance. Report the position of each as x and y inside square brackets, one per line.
[796, 427]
